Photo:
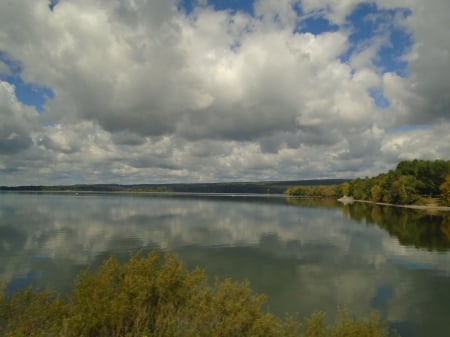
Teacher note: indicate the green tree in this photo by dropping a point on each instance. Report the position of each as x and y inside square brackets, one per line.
[346, 189]
[375, 193]
[410, 181]
[405, 190]
[360, 189]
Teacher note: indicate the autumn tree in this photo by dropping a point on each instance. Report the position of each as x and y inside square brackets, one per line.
[445, 190]
[375, 193]
[345, 189]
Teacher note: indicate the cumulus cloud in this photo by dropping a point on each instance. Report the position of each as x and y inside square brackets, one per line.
[16, 122]
[429, 61]
[144, 90]
[418, 142]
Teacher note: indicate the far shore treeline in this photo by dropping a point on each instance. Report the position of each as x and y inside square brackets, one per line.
[266, 187]
[416, 182]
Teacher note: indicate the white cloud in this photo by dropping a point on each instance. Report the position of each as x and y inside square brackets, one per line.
[418, 142]
[143, 91]
[429, 59]
[17, 121]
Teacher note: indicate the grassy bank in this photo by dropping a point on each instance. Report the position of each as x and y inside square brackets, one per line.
[150, 297]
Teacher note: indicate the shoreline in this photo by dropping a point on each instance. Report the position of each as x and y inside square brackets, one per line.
[347, 200]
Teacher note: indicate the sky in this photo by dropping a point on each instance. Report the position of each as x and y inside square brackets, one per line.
[161, 91]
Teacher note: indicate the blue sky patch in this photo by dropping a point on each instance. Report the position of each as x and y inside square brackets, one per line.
[52, 4]
[316, 25]
[187, 6]
[368, 22]
[245, 6]
[31, 94]
[389, 57]
[407, 128]
[380, 100]
[363, 21]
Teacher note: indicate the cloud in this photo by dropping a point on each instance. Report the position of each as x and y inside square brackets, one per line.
[418, 142]
[335, 11]
[4, 69]
[429, 59]
[17, 120]
[143, 90]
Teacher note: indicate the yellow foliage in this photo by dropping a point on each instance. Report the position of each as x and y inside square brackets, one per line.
[445, 190]
[148, 297]
[345, 189]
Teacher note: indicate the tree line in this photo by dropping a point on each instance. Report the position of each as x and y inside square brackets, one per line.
[411, 182]
[259, 187]
[326, 191]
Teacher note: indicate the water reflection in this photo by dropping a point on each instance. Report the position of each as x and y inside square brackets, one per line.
[425, 230]
[313, 202]
[305, 255]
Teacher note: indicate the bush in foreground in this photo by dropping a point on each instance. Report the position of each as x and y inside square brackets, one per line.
[150, 297]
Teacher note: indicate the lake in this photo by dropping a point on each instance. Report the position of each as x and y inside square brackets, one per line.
[305, 254]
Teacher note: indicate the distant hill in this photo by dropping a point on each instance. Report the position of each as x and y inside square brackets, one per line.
[269, 187]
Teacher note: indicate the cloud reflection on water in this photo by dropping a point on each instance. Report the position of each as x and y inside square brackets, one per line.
[304, 258]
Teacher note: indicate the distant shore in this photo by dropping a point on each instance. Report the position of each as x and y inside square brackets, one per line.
[349, 200]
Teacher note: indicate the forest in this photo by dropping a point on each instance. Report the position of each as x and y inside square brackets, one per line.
[411, 182]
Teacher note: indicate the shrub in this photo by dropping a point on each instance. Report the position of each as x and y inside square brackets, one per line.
[154, 298]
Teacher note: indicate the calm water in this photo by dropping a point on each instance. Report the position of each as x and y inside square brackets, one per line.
[304, 254]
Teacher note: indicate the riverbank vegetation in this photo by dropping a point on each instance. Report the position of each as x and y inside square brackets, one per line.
[412, 182]
[148, 297]
[419, 182]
